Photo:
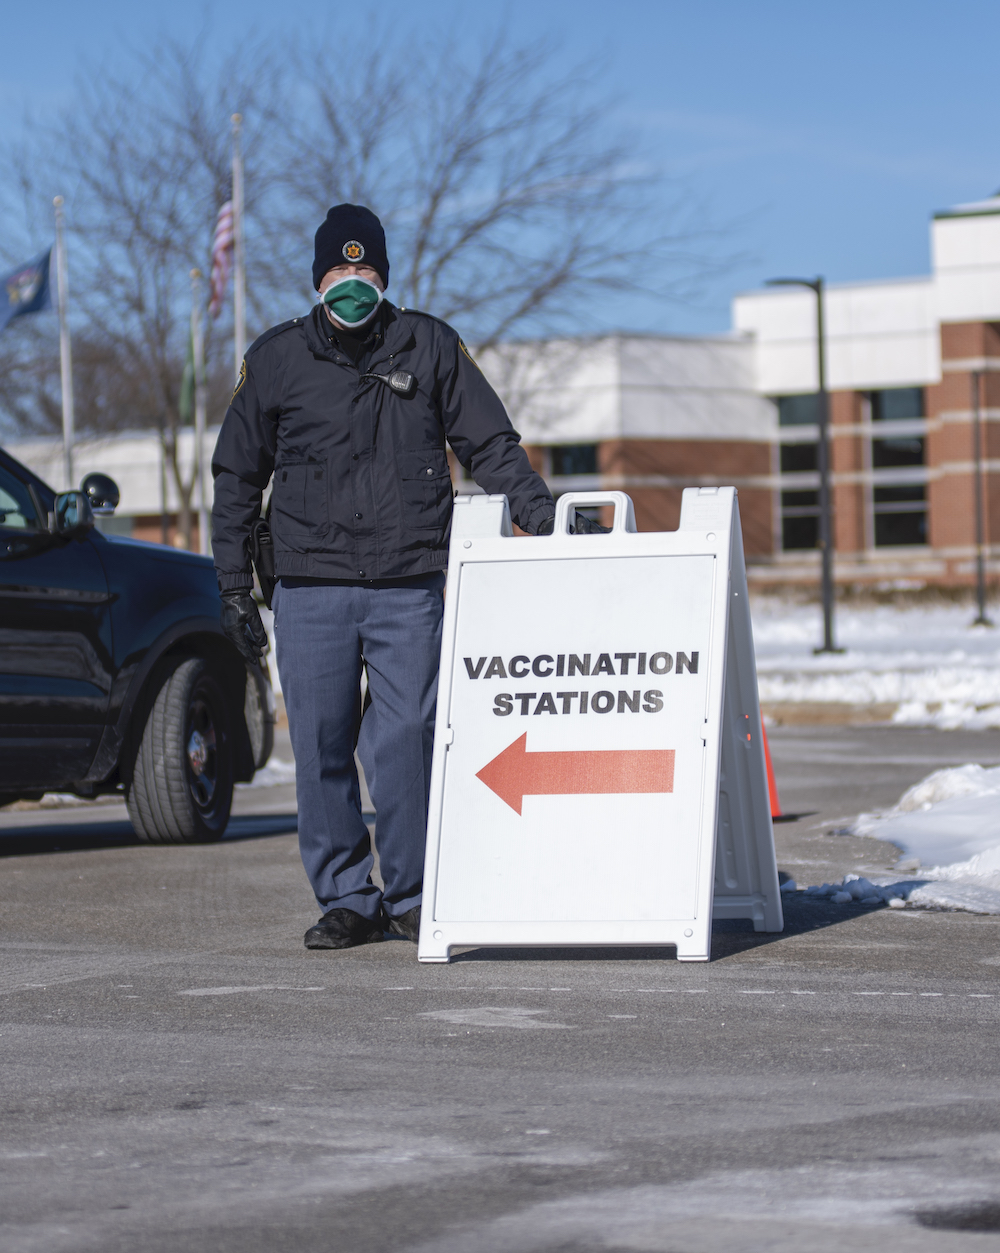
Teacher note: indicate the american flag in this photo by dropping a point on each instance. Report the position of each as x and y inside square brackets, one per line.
[222, 257]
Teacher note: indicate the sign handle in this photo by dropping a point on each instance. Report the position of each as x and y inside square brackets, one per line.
[567, 503]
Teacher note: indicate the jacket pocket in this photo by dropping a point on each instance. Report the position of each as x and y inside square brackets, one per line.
[426, 484]
[300, 510]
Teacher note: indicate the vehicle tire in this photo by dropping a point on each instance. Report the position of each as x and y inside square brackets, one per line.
[182, 781]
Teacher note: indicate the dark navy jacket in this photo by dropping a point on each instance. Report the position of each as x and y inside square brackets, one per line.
[361, 483]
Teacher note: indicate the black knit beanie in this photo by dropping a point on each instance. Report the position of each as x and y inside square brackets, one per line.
[351, 233]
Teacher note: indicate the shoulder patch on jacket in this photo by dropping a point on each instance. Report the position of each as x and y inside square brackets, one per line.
[445, 326]
[461, 344]
[261, 340]
[241, 380]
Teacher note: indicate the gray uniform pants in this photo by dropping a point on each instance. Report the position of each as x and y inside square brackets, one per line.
[322, 632]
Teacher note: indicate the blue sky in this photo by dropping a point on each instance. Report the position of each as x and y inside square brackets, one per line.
[820, 137]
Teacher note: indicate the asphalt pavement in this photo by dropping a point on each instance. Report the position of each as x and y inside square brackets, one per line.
[181, 1075]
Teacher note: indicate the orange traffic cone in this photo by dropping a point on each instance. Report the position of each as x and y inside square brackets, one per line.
[772, 787]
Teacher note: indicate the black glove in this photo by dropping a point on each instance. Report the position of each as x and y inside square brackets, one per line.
[582, 525]
[241, 622]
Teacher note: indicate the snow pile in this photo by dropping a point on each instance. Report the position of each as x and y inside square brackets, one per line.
[950, 816]
[950, 824]
[855, 888]
[274, 773]
[62, 800]
[927, 661]
[948, 828]
[950, 715]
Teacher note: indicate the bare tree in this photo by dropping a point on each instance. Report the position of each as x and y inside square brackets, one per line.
[510, 204]
[145, 169]
[29, 387]
[508, 199]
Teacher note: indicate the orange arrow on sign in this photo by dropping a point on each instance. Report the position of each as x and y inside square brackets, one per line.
[516, 773]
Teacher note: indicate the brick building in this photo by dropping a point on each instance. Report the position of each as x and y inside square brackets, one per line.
[655, 414]
[904, 357]
[648, 414]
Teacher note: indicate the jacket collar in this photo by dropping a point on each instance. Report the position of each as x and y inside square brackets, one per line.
[397, 336]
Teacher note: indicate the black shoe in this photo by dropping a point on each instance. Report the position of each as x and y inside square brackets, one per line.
[406, 925]
[343, 928]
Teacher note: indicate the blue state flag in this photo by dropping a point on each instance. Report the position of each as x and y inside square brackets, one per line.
[26, 289]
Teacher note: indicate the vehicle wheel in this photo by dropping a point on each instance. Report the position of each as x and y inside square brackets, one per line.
[182, 782]
[258, 714]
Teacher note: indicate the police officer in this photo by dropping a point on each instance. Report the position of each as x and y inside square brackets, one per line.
[349, 409]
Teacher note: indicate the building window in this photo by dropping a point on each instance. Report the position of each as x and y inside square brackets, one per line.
[890, 453]
[900, 515]
[799, 458]
[798, 410]
[899, 510]
[897, 404]
[572, 459]
[799, 520]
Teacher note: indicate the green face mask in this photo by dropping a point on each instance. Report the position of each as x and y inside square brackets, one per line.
[352, 300]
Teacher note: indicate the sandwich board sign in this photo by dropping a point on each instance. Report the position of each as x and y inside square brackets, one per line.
[598, 774]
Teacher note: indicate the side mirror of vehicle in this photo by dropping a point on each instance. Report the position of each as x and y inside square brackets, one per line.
[102, 492]
[72, 515]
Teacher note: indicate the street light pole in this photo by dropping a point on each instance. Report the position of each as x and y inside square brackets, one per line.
[815, 285]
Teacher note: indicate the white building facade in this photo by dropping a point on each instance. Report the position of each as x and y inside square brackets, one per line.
[908, 362]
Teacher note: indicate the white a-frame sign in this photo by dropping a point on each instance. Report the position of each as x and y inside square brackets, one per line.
[599, 774]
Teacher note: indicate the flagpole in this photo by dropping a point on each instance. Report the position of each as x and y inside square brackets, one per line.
[65, 351]
[239, 262]
[198, 352]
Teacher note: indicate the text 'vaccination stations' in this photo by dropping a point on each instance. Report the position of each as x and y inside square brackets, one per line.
[598, 771]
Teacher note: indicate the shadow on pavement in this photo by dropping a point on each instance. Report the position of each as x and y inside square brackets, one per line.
[71, 837]
[729, 938]
[733, 936]
[574, 954]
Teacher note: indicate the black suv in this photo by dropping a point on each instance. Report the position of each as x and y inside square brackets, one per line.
[115, 675]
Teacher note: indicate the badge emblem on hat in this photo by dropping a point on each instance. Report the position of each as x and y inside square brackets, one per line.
[353, 251]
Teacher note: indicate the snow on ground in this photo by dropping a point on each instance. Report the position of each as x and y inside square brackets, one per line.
[947, 827]
[950, 816]
[274, 773]
[927, 661]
